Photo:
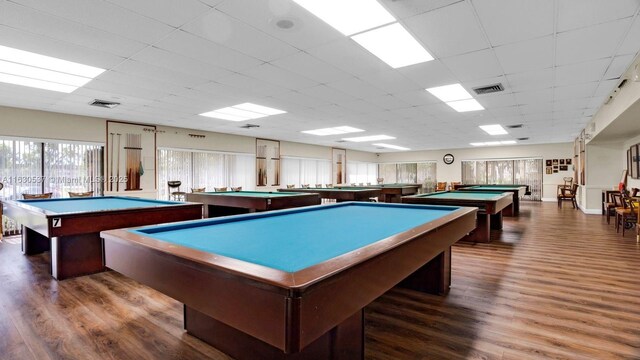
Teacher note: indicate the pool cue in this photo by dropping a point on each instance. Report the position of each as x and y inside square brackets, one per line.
[118, 170]
[111, 167]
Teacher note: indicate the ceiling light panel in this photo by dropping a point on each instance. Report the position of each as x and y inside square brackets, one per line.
[394, 45]
[241, 112]
[389, 146]
[43, 72]
[333, 131]
[448, 93]
[369, 138]
[495, 129]
[349, 17]
[465, 105]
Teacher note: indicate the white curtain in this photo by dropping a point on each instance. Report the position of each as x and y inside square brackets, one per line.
[297, 171]
[362, 172]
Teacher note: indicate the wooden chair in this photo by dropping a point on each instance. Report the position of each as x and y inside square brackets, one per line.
[197, 190]
[37, 196]
[328, 186]
[634, 192]
[80, 194]
[177, 194]
[291, 186]
[568, 194]
[220, 189]
[627, 215]
[610, 205]
[318, 186]
[441, 186]
[305, 186]
[237, 188]
[454, 185]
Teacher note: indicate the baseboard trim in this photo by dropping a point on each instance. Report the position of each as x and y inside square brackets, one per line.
[591, 211]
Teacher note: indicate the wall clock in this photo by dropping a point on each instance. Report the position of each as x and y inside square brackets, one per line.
[448, 159]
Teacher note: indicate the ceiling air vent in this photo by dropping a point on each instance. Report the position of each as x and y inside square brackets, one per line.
[341, 141]
[516, 126]
[104, 103]
[250, 126]
[522, 139]
[489, 89]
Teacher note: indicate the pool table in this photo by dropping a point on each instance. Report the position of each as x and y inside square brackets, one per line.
[291, 284]
[390, 193]
[517, 191]
[341, 194]
[490, 206]
[242, 202]
[70, 227]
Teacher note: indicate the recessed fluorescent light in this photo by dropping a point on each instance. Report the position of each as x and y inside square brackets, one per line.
[478, 144]
[465, 105]
[333, 131]
[394, 45]
[395, 147]
[44, 72]
[370, 138]
[495, 129]
[508, 142]
[242, 112]
[452, 92]
[349, 17]
[494, 143]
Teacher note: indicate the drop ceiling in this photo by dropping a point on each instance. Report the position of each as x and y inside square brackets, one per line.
[168, 61]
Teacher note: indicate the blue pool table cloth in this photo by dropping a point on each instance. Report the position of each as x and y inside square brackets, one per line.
[292, 240]
[91, 204]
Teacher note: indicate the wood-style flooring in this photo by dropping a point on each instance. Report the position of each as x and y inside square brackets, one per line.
[554, 284]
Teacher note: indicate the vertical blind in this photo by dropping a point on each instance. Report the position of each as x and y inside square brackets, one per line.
[521, 171]
[410, 173]
[297, 171]
[362, 172]
[198, 169]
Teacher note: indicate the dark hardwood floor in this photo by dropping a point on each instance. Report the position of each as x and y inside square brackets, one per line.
[554, 284]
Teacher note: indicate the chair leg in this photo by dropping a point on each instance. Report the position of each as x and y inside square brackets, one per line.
[624, 223]
[608, 216]
[617, 222]
[559, 202]
[574, 203]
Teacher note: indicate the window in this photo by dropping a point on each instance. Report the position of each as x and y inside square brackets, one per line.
[362, 172]
[409, 173]
[204, 169]
[297, 171]
[521, 171]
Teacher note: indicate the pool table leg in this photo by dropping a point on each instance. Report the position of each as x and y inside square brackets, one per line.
[434, 277]
[343, 342]
[496, 221]
[508, 211]
[76, 255]
[482, 232]
[33, 242]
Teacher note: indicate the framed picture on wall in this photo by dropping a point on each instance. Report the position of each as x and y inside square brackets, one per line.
[634, 161]
[267, 162]
[629, 160]
[564, 168]
[568, 161]
[561, 161]
[549, 170]
[555, 162]
[548, 162]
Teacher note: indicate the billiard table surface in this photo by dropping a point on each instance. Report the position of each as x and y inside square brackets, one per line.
[341, 194]
[70, 227]
[518, 192]
[389, 192]
[293, 282]
[240, 202]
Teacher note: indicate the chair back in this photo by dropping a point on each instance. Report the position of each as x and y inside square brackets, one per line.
[291, 186]
[197, 190]
[634, 192]
[37, 196]
[328, 186]
[305, 186]
[237, 188]
[574, 189]
[318, 186]
[616, 198]
[80, 194]
[174, 184]
[220, 188]
[441, 186]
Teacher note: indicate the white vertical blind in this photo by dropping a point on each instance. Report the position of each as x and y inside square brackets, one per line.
[362, 172]
[72, 167]
[519, 171]
[297, 171]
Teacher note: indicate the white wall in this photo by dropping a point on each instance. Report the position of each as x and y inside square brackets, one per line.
[453, 172]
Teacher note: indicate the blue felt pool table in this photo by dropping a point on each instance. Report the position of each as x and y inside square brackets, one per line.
[70, 227]
[291, 283]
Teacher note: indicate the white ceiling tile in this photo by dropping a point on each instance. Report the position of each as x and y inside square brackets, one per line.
[308, 31]
[631, 43]
[356, 87]
[618, 66]
[296, 98]
[135, 81]
[417, 97]
[232, 95]
[198, 48]
[104, 16]
[605, 88]
[174, 13]
[306, 65]
[360, 106]
[527, 55]
[581, 73]
[497, 100]
[429, 74]
[391, 81]
[348, 56]
[59, 49]
[535, 96]
[281, 77]
[120, 88]
[37, 22]
[531, 80]
[507, 21]
[174, 62]
[578, 105]
[476, 65]
[328, 94]
[387, 102]
[590, 43]
[408, 8]
[163, 74]
[536, 108]
[578, 91]
[222, 29]
[251, 85]
[573, 14]
[448, 31]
